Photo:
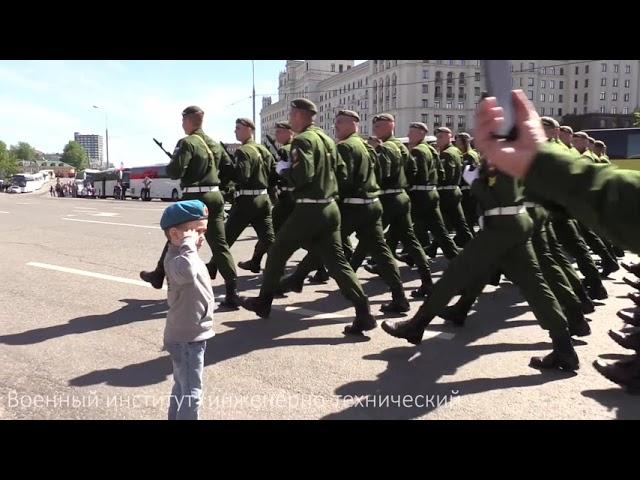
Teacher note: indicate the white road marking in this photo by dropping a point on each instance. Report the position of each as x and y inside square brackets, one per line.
[3, 211]
[112, 223]
[26, 203]
[103, 214]
[308, 313]
[85, 208]
[144, 209]
[86, 273]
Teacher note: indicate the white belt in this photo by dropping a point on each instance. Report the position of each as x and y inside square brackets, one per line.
[392, 190]
[465, 187]
[515, 210]
[360, 201]
[200, 189]
[423, 187]
[250, 192]
[287, 189]
[531, 205]
[448, 187]
[314, 200]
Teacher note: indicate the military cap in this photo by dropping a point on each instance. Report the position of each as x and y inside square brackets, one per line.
[387, 117]
[464, 135]
[599, 143]
[246, 122]
[549, 122]
[349, 113]
[192, 109]
[591, 139]
[419, 125]
[443, 130]
[430, 139]
[567, 129]
[285, 125]
[183, 212]
[580, 135]
[304, 104]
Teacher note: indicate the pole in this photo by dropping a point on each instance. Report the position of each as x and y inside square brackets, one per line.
[253, 71]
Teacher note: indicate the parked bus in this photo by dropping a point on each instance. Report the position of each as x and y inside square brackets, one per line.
[105, 182]
[160, 185]
[28, 182]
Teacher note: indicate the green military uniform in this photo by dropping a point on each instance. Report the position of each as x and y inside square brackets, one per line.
[503, 243]
[450, 194]
[469, 204]
[314, 223]
[393, 157]
[252, 206]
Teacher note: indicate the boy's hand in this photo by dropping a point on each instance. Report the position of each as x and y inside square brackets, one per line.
[191, 233]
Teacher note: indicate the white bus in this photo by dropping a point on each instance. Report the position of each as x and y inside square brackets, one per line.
[160, 185]
[105, 182]
[28, 182]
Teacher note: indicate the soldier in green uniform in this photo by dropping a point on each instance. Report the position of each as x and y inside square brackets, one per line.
[504, 243]
[600, 150]
[469, 157]
[565, 135]
[393, 163]
[603, 197]
[449, 190]
[252, 169]
[285, 202]
[315, 221]
[198, 161]
[361, 211]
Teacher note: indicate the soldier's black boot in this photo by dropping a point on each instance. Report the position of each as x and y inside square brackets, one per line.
[260, 305]
[633, 319]
[406, 258]
[632, 268]
[629, 340]
[562, 357]
[495, 278]
[231, 298]
[291, 283]
[458, 312]
[432, 250]
[373, 269]
[212, 268]
[597, 291]
[634, 297]
[156, 277]
[631, 283]
[426, 287]
[608, 268]
[321, 276]
[618, 252]
[250, 265]
[411, 330]
[363, 322]
[398, 304]
[578, 325]
[587, 303]
[625, 373]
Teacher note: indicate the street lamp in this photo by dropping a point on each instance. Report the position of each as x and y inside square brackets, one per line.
[106, 130]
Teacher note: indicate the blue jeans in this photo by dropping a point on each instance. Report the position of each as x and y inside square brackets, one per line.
[186, 395]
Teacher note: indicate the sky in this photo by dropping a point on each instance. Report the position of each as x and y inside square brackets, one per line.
[44, 102]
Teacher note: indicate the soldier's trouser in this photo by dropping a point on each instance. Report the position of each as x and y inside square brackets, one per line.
[315, 227]
[396, 212]
[216, 233]
[250, 210]
[563, 262]
[596, 244]
[567, 232]
[366, 221]
[452, 212]
[552, 272]
[503, 244]
[469, 208]
[280, 212]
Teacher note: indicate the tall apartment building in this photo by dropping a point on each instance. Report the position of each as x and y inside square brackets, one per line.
[93, 145]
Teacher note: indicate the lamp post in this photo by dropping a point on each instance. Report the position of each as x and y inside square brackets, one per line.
[106, 131]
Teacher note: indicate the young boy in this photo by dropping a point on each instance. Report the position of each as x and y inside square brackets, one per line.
[191, 304]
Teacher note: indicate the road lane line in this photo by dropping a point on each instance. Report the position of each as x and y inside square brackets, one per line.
[111, 223]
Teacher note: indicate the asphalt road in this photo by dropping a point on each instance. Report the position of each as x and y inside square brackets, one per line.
[81, 337]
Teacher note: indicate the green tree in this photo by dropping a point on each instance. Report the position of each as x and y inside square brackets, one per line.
[24, 151]
[75, 155]
[8, 162]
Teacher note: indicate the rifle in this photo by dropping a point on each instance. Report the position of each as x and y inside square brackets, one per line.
[274, 150]
[226, 150]
[162, 148]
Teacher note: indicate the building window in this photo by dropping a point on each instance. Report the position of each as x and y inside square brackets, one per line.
[425, 74]
[575, 110]
[544, 70]
[542, 96]
[586, 97]
[477, 76]
[542, 111]
[439, 62]
[553, 70]
[333, 67]
[614, 96]
[452, 62]
[603, 81]
[575, 98]
[436, 104]
[543, 84]
[560, 98]
[601, 108]
[586, 69]
[437, 120]
[449, 105]
[531, 82]
[625, 110]
[562, 71]
[449, 120]
[460, 105]
[559, 112]
[552, 84]
[603, 95]
[627, 83]
[424, 118]
[476, 91]
[425, 88]
[614, 110]
[615, 82]
[560, 84]
[552, 97]
[603, 66]
[462, 62]
[520, 82]
[575, 85]
[461, 121]
[577, 70]
[584, 109]
[626, 97]
[551, 111]
[616, 68]
[530, 94]
[586, 82]
[627, 69]
[425, 103]
[532, 66]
